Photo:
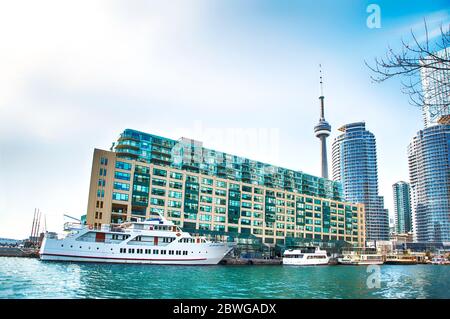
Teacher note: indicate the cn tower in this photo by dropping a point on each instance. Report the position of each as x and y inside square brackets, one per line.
[322, 130]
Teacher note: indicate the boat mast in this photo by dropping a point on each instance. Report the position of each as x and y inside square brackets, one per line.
[33, 225]
[38, 227]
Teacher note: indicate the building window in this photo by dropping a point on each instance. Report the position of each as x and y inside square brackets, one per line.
[159, 172]
[120, 196]
[121, 186]
[123, 165]
[176, 185]
[174, 194]
[174, 203]
[158, 192]
[157, 201]
[207, 181]
[122, 175]
[158, 182]
[140, 188]
[175, 175]
[221, 184]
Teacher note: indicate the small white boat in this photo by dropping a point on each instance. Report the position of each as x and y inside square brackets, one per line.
[306, 256]
[151, 241]
[439, 260]
[360, 258]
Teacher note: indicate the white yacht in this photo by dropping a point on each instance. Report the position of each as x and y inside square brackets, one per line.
[151, 241]
[361, 258]
[306, 256]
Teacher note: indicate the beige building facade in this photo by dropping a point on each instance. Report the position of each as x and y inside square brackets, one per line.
[123, 189]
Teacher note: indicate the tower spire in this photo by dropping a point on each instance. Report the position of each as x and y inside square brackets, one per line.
[321, 97]
[321, 80]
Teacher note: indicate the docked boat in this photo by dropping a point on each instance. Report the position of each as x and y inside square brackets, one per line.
[361, 258]
[307, 256]
[401, 260]
[440, 260]
[151, 241]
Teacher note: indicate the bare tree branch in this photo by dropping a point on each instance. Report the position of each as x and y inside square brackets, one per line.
[424, 65]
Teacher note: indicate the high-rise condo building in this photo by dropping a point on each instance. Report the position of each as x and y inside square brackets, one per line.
[355, 166]
[211, 192]
[436, 88]
[429, 172]
[402, 205]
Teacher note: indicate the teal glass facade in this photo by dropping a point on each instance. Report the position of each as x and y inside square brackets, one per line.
[429, 171]
[355, 166]
[402, 205]
[191, 156]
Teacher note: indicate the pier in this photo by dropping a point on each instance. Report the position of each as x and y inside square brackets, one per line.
[250, 261]
[18, 252]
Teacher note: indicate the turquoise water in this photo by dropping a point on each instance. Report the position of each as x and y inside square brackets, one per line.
[31, 278]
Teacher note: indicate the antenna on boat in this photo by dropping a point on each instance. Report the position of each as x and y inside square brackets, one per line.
[65, 215]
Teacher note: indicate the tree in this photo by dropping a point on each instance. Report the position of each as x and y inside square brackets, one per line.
[420, 61]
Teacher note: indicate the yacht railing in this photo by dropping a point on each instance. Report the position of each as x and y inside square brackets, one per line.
[73, 226]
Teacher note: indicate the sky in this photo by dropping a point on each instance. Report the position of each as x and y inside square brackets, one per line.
[240, 76]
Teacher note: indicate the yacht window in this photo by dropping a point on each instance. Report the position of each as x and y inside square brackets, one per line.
[155, 251]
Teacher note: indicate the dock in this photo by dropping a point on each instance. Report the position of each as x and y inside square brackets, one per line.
[18, 252]
[250, 261]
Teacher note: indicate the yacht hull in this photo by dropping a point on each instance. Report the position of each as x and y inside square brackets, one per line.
[71, 251]
[396, 262]
[304, 263]
[362, 263]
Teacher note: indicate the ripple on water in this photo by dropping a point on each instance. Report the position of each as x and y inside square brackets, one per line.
[31, 278]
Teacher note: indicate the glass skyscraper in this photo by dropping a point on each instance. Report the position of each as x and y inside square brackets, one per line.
[355, 166]
[436, 88]
[402, 205]
[429, 170]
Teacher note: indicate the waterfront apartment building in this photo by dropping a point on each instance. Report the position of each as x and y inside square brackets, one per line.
[429, 172]
[206, 191]
[402, 206]
[355, 166]
[436, 88]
